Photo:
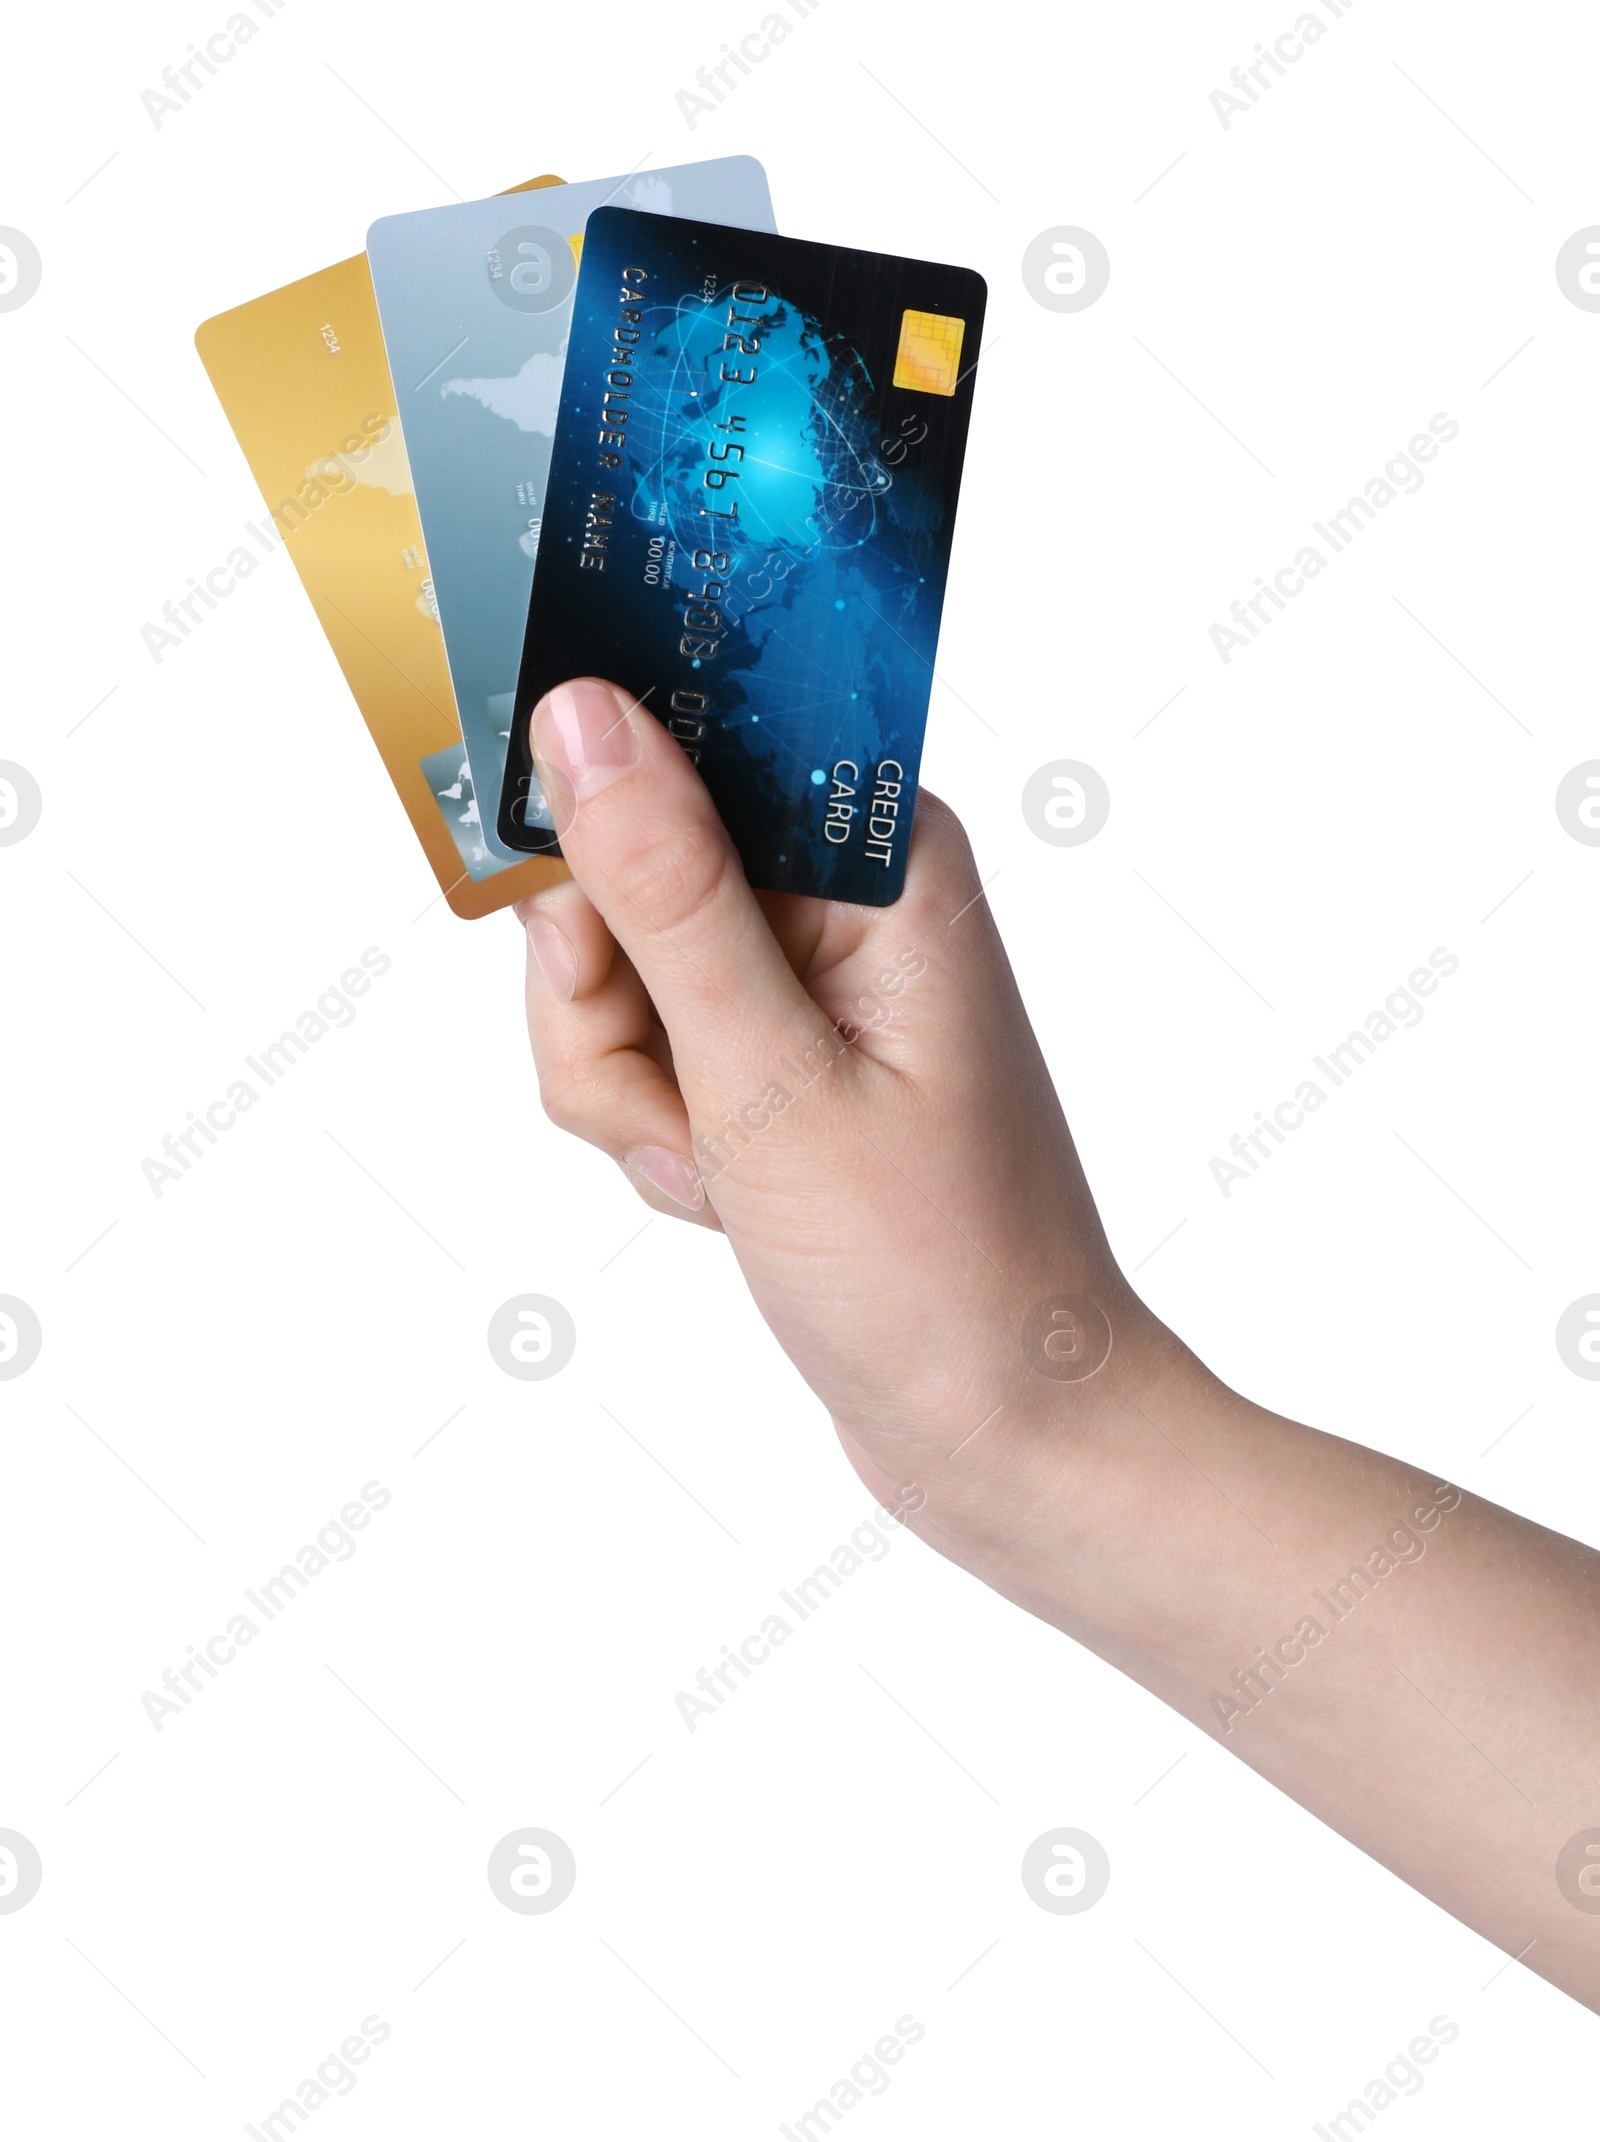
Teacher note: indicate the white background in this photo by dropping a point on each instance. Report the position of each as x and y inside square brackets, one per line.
[1372, 778]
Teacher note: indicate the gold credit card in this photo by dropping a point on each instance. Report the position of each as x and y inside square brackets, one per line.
[303, 379]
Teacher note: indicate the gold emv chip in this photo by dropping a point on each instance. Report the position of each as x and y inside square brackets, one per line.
[929, 356]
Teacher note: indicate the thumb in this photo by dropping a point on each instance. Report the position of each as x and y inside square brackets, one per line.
[643, 839]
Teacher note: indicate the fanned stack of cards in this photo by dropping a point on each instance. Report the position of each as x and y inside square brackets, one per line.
[622, 429]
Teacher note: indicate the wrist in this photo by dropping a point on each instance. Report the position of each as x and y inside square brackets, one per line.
[1028, 1461]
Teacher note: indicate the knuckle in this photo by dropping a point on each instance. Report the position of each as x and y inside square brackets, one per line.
[946, 865]
[943, 832]
[675, 883]
[571, 1100]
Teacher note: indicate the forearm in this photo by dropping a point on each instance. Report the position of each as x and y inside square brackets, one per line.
[1413, 1665]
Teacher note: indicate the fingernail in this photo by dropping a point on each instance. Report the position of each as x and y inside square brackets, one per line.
[670, 1172]
[553, 957]
[584, 731]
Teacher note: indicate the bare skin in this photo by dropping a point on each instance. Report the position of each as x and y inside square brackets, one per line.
[856, 1098]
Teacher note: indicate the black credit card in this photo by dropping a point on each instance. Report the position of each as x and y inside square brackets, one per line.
[748, 525]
